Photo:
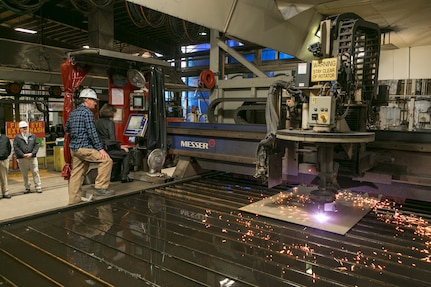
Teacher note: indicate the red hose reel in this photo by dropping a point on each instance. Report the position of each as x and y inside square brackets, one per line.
[207, 79]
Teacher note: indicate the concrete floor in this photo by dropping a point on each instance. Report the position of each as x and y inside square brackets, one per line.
[53, 197]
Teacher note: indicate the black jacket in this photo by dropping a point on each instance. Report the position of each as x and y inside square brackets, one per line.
[106, 130]
[5, 147]
[20, 147]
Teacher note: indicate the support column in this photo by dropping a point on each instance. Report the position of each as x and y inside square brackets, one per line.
[101, 27]
[216, 63]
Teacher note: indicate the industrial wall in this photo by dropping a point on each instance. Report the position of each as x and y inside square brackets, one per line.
[406, 63]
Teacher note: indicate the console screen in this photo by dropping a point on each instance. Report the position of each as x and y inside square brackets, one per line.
[136, 125]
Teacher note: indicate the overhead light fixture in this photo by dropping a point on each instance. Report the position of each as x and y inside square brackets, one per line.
[202, 33]
[86, 47]
[28, 31]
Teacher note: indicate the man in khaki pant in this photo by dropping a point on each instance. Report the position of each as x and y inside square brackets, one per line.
[86, 148]
[26, 146]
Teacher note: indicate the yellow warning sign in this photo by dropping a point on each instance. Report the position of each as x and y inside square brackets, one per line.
[324, 70]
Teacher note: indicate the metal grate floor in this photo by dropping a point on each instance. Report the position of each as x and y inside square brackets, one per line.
[193, 234]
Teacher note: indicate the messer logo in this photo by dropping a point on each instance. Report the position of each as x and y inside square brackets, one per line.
[198, 144]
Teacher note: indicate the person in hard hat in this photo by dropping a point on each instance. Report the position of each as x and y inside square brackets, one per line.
[25, 147]
[86, 148]
[5, 150]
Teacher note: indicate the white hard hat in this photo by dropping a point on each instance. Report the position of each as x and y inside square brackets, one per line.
[23, 124]
[88, 93]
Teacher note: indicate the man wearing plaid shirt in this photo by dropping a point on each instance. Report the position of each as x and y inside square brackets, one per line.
[86, 148]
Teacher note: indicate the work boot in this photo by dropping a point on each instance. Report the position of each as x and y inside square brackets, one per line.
[27, 190]
[127, 179]
[103, 192]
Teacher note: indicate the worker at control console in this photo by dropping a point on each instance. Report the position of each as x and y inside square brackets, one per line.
[105, 127]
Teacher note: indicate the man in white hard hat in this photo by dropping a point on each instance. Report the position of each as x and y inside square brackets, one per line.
[86, 148]
[25, 146]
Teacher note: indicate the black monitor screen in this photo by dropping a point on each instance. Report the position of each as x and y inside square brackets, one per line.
[135, 125]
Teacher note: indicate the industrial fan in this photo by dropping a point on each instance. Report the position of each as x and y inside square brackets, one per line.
[136, 78]
[155, 161]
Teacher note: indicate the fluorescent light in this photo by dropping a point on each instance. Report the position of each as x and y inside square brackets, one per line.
[203, 33]
[86, 47]
[158, 55]
[25, 30]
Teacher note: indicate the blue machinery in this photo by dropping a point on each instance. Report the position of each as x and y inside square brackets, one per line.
[318, 129]
[401, 160]
[313, 118]
[224, 147]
